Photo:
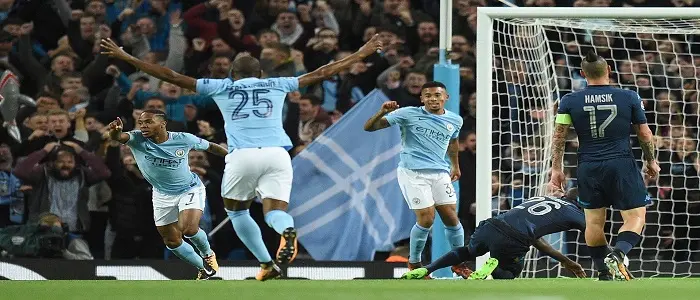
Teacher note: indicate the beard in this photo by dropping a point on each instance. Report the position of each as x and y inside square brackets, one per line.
[58, 174]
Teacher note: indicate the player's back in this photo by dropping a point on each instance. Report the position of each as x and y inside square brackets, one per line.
[540, 216]
[602, 117]
[425, 137]
[165, 165]
[252, 109]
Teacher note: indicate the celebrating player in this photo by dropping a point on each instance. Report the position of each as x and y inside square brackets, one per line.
[607, 172]
[178, 194]
[258, 162]
[508, 237]
[425, 176]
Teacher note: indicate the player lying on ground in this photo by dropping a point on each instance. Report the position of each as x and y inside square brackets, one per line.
[178, 194]
[429, 133]
[509, 236]
[607, 172]
[258, 162]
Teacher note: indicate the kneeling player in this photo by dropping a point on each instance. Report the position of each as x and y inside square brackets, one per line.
[508, 237]
[178, 194]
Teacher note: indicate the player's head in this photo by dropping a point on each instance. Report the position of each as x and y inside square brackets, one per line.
[151, 122]
[245, 66]
[433, 94]
[595, 67]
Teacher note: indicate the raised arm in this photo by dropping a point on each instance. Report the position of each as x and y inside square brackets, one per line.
[569, 264]
[334, 68]
[115, 131]
[216, 149]
[378, 121]
[110, 48]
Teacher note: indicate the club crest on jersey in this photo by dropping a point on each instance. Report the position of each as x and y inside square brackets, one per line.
[450, 127]
[180, 152]
[416, 201]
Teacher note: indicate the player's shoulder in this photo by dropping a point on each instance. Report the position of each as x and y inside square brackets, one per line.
[135, 134]
[405, 111]
[454, 117]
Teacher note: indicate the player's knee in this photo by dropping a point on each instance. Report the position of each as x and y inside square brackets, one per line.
[172, 242]
[190, 229]
[425, 221]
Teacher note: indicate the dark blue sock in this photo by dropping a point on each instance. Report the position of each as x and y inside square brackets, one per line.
[452, 258]
[598, 254]
[626, 240]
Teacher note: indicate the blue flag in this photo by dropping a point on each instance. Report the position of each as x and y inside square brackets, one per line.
[345, 200]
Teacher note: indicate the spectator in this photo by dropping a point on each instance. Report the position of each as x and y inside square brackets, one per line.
[312, 119]
[11, 190]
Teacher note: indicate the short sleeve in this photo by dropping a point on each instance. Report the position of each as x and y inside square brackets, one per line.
[397, 117]
[460, 123]
[197, 143]
[563, 114]
[134, 137]
[210, 87]
[638, 116]
[286, 84]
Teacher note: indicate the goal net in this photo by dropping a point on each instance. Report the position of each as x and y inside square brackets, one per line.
[535, 62]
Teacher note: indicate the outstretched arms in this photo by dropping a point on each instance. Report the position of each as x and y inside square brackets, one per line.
[333, 68]
[111, 49]
[378, 121]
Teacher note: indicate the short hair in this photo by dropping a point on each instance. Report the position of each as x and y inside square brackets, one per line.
[246, 66]
[155, 112]
[48, 219]
[58, 112]
[217, 56]
[433, 84]
[72, 75]
[572, 195]
[284, 48]
[594, 66]
[45, 94]
[267, 30]
[155, 98]
[315, 100]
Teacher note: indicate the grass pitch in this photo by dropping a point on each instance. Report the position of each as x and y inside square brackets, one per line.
[546, 289]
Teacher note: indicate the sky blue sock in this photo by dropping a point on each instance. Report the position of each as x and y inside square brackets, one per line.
[201, 241]
[249, 233]
[279, 220]
[186, 252]
[455, 235]
[419, 235]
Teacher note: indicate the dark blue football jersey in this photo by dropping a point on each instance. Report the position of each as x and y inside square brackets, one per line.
[540, 216]
[602, 117]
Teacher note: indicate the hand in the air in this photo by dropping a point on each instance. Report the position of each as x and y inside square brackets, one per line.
[116, 126]
[111, 49]
[390, 106]
[372, 46]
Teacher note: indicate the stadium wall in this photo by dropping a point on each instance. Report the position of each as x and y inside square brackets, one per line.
[39, 269]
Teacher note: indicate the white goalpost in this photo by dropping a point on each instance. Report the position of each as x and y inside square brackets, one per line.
[529, 57]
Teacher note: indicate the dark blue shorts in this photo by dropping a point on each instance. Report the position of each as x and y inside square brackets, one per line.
[509, 251]
[615, 182]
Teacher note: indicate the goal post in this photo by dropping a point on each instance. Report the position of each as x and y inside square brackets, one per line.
[528, 57]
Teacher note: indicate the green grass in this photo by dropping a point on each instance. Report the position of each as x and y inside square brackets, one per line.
[546, 289]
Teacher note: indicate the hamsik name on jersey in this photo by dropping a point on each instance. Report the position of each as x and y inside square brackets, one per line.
[592, 99]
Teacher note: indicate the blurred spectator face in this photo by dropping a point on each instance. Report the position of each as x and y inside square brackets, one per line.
[69, 98]
[369, 33]
[198, 158]
[46, 104]
[39, 122]
[151, 57]
[460, 44]
[286, 22]
[268, 38]
[330, 37]
[64, 165]
[130, 164]
[219, 47]
[414, 82]
[236, 19]
[5, 157]
[307, 110]
[427, 31]
[387, 37]
[686, 144]
[470, 142]
[13, 29]
[219, 67]
[466, 73]
[62, 64]
[96, 8]
[145, 84]
[600, 3]
[581, 3]
[545, 3]
[169, 90]
[93, 124]
[71, 83]
[59, 125]
[87, 27]
[277, 6]
[155, 103]
[495, 185]
[160, 6]
[391, 6]
[270, 58]
[146, 26]
[677, 132]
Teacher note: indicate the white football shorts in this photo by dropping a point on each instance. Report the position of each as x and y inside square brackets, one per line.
[265, 171]
[167, 208]
[424, 188]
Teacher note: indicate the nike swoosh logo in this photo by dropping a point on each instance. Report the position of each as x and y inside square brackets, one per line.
[419, 118]
[188, 203]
